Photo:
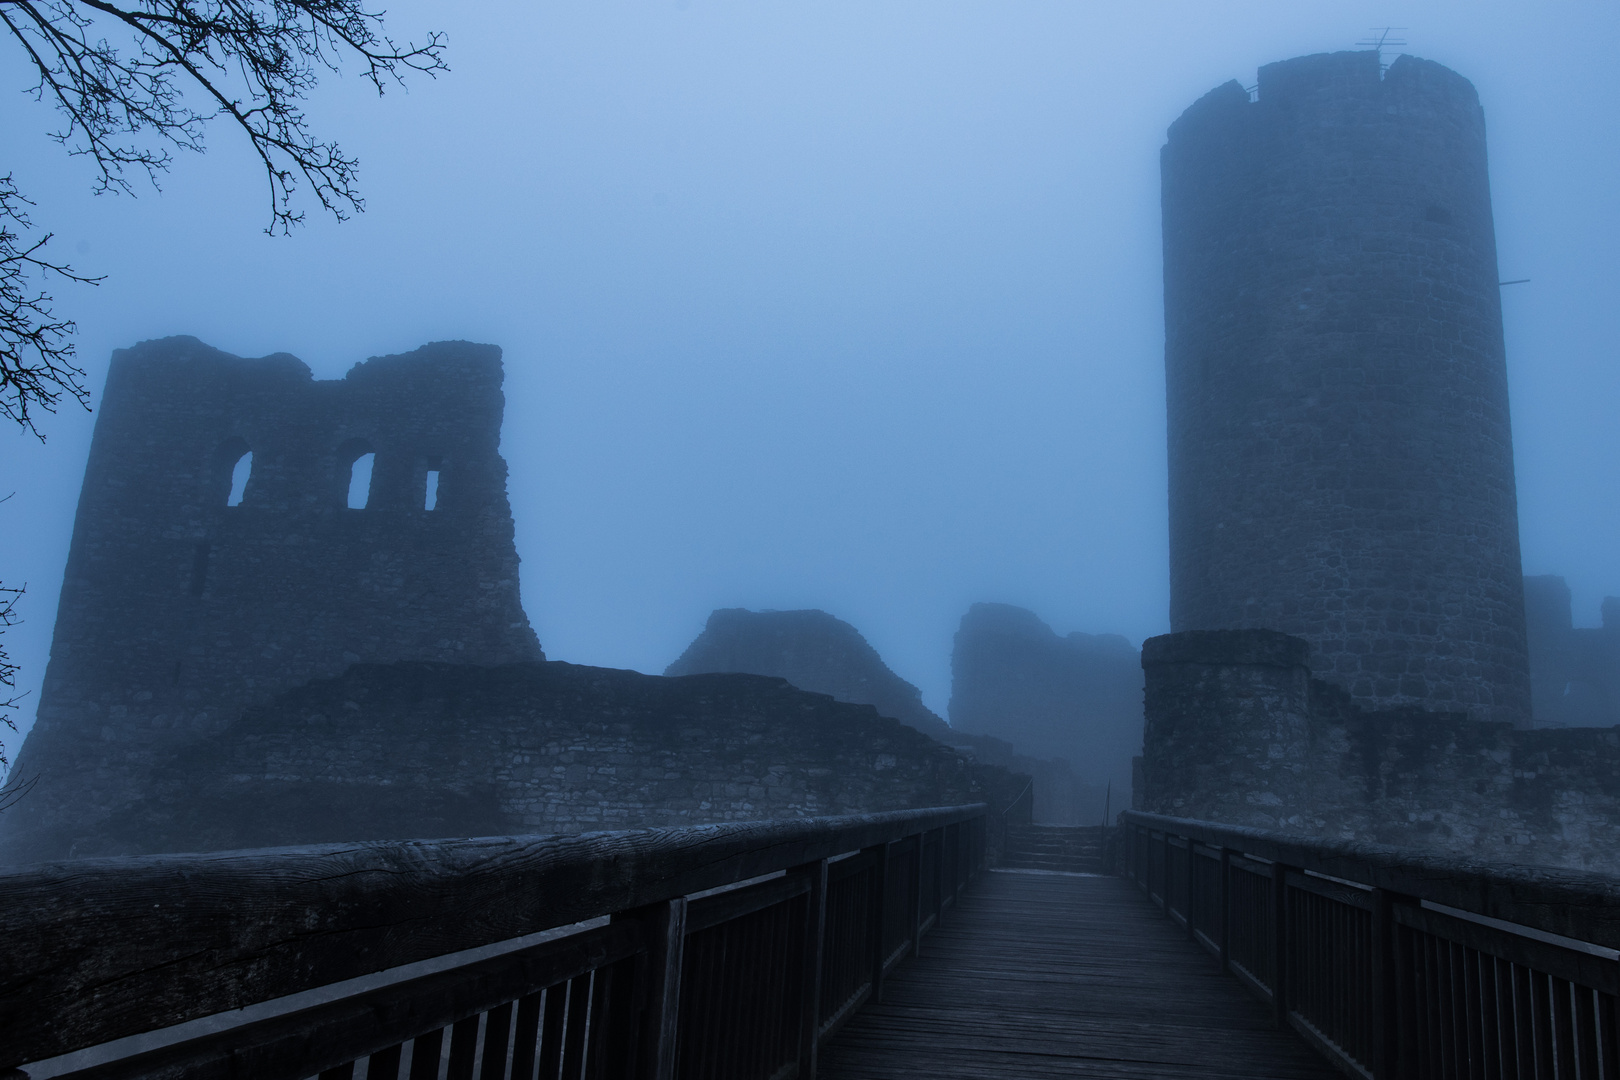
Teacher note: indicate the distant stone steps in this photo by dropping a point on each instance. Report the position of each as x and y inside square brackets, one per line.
[1065, 848]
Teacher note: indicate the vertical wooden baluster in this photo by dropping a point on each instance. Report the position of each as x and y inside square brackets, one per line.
[574, 1030]
[496, 1030]
[1164, 870]
[551, 1031]
[1223, 928]
[1192, 924]
[1524, 1023]
[463, 1045]
[878, 914]
[384, 1064]
[425, 1053]
[1586, 1034]
[815, 936]
[1280, 944]
[663, 927]
[599, 1045]
[1608, 1043]
[1563, 1026]
[916, 881]
[1403, 1057]
[1501, 1021]
[1384, 990]
[526, 1038]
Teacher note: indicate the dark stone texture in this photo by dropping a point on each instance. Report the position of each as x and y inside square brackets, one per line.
[433, 750]
[812, 650]
[1340, 452]
[1574, 673]
[1236, 736]
[1078, 697]
[177, 611]
[816, 651]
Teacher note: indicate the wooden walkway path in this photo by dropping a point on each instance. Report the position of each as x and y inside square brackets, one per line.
[1045, 975]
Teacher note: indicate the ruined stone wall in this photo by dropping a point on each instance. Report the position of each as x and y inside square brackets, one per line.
[420, 750]
[1340, 452]
[1076, 697]
[812, 650]
[1574, 672]
[818, 652]
[1238, 731]
[178, 610]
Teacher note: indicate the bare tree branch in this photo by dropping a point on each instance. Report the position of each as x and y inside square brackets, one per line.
[252, 62]
[8, 669]
[37, 357]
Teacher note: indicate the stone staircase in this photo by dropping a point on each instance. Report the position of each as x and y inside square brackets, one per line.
[1071, 848]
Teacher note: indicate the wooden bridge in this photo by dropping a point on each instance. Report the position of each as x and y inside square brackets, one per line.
[857, 948]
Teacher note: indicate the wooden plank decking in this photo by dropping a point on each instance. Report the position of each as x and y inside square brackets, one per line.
[1044, 975]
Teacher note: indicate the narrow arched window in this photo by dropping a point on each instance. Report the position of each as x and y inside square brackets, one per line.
[432, 470]
[230, 472]
[360, 481]
[239, 479]
[351, 477]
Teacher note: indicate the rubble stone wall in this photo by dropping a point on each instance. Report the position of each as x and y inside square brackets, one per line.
[1238, 731]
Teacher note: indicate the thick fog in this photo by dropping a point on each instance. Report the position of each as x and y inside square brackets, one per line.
[845, 305]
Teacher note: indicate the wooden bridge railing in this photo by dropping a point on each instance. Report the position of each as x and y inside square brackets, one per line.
[1399, 963]
[676, 961]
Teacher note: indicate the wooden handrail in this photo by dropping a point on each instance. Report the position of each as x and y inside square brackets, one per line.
[1579, 904]
[1396, 963]
[96, 950]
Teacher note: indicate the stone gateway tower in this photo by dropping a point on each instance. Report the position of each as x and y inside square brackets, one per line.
[1341, 463]
[190, 594]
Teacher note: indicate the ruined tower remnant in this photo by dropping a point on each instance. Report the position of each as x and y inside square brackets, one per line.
[1341, 464]
[224, 552]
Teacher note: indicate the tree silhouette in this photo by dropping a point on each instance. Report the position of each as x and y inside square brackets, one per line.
[134, 84]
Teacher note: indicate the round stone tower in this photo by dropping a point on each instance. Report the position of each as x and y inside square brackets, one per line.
[1341, 462]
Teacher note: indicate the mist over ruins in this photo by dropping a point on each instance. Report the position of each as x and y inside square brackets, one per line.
[291, 617]
[249, 651]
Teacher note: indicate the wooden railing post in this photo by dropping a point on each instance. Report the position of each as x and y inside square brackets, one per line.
[665, 928]
[879, 915]
[1280, 943]
[815, 934]
[1385, 1064]
[1226, 909]
[917, 896]
[1164, 868]
[1192, 854]
[958, 867]
[939, 880]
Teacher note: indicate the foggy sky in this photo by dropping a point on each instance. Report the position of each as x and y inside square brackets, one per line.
[848, 305]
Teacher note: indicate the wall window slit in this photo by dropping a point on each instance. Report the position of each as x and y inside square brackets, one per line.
[360, 481]
[430, 500]
[239, 478]
[230, 472]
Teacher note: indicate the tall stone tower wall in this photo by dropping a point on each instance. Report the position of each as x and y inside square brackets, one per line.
[1341, 464]
[178, 610]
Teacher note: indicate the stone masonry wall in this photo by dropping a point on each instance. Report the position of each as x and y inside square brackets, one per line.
[1574, 672]
[1340, 452]
[1076, 697]
[178, 610]
[818, 652]
[1238, 731]
[421, 750]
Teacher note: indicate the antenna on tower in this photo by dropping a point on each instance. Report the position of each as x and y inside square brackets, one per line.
[1380, 36]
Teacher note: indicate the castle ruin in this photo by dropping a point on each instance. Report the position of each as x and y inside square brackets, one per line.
[1341, 461]
[255, 646]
